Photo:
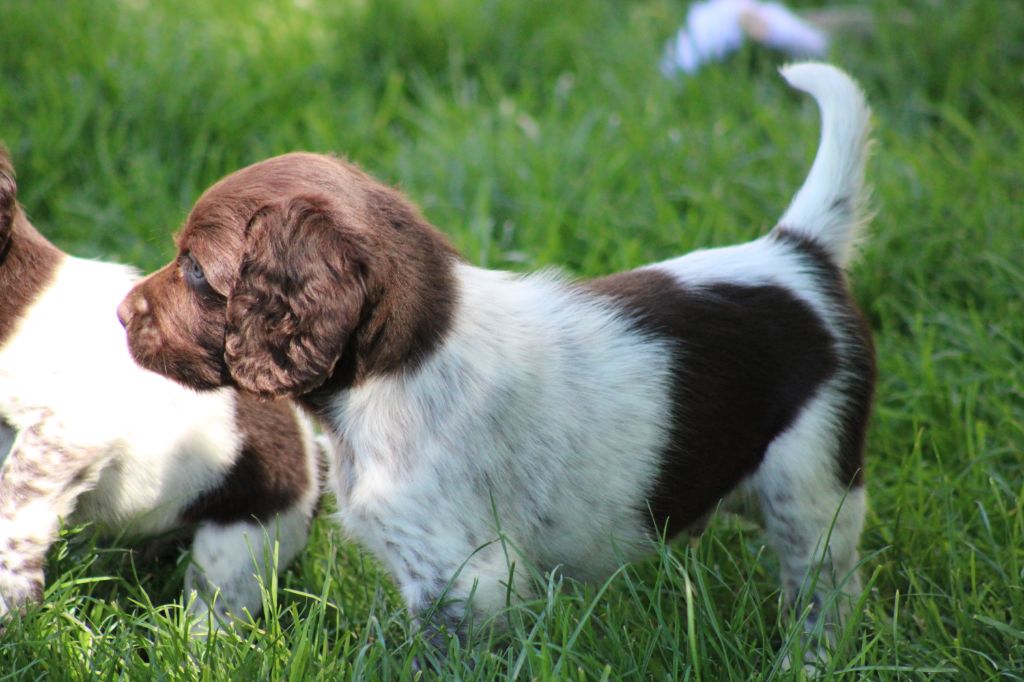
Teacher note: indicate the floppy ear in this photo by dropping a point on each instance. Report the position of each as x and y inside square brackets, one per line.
[298, 296]
[8, 196]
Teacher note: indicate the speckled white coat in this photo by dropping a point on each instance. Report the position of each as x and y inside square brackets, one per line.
[527, 438]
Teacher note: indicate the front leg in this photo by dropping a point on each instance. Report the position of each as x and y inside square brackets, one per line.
[40, 480]
[452, 598]
[230, 560]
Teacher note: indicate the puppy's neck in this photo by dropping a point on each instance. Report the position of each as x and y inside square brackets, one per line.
[28, 263]
[408, 312]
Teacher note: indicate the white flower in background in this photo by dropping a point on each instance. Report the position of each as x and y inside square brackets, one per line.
[715, 28]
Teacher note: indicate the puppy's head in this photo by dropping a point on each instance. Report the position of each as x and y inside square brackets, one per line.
[282, 268]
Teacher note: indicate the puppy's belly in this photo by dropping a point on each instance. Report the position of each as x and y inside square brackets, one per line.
[443, 535]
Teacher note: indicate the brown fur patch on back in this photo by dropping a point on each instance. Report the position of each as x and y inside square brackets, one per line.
[746, 360]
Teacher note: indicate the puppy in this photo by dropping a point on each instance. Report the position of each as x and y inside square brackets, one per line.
[94, 437]
[574, 420]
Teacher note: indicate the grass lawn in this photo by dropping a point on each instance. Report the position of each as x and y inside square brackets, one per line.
[540, 133]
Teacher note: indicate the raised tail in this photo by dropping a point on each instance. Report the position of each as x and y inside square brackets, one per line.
[829, 209]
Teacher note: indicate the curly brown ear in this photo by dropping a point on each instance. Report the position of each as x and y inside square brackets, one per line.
[299, 295]
[8, 196]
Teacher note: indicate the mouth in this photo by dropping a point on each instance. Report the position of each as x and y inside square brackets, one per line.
[142, 339]
[193, 368]
[143, 336]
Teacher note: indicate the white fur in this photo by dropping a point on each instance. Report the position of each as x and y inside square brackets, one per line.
[531, 434]
[556, 421]
[100, 439]
[829, 208]
[231, 561]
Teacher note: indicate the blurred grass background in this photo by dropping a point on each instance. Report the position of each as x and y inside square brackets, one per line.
[540, 133]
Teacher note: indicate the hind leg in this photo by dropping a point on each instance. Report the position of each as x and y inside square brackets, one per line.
[812, 519]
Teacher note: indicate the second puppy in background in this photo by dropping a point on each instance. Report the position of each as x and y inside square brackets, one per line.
[87, 434]
[575, 419]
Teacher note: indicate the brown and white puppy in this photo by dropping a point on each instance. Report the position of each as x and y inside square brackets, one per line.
[86, 433]
[572, 419]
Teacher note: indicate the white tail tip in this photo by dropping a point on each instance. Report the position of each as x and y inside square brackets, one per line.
[829, 207]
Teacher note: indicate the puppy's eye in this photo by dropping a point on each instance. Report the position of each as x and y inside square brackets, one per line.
[192, 271]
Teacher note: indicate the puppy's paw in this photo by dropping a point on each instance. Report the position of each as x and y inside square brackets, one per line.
[207, 612]
[815, 662]
[815, 652]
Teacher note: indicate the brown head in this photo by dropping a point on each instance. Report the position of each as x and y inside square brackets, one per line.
[295, 273]
[8, 199]
[28, 261]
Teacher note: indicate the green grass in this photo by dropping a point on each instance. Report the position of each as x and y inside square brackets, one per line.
[536, 133]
